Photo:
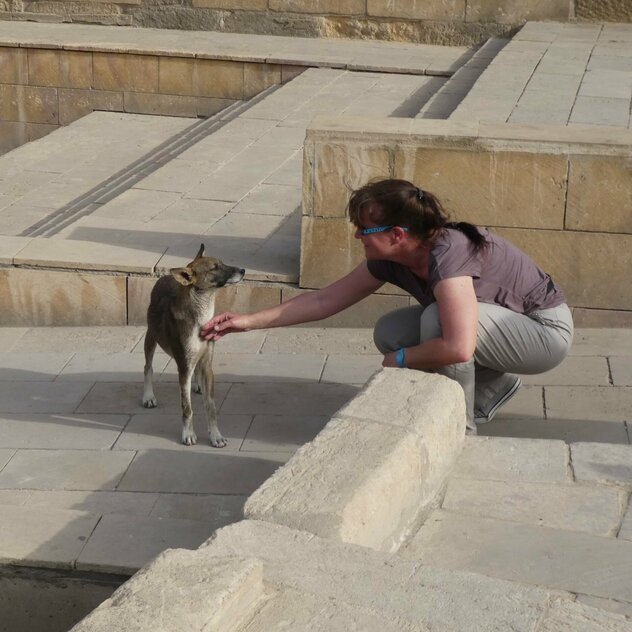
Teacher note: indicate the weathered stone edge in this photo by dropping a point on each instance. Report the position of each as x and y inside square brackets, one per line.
[386, 453]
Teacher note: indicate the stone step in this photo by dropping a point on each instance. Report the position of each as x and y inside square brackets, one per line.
[314, 584]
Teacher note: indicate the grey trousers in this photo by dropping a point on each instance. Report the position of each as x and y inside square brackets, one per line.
[507, 342]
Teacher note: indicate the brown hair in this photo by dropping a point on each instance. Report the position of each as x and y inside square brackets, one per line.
[400, 203]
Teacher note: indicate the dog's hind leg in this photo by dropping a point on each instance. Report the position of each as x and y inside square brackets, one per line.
[197, 382]
[205, 373]
[185, 375]
[149, 399]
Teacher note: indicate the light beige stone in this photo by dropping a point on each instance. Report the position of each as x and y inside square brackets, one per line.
[340, 168]
[593, 510]
[76, 103]
[48, 297]
[451, 10]
[13, 65]
[32, 104]
[119, 72]
[258, 77]
[517, 12]
[44, 67]
[218, 597]
[75, 68]
[175, 76]
[569, 257]
[217, 78]
[161, 104]
[244, 5]
[344, 7]
[605, 318]
[500, 459]
[590, 403]
[491, 188]
[566, 616]
[602, 463]
[329, 250]
[605, 208]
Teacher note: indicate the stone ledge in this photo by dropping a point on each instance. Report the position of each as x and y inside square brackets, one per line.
[387, 452]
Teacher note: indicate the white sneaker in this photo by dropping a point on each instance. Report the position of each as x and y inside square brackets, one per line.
[503, 399]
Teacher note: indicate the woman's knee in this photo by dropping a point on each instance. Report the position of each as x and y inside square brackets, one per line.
[397, 329]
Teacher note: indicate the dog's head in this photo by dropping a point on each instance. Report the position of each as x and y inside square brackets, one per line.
[206, 273]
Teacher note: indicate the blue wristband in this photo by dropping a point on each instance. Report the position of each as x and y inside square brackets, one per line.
[400, 358]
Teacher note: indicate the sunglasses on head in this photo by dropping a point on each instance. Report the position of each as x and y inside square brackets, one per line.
[378, 229]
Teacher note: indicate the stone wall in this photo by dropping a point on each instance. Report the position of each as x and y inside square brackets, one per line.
[446, 22]
[42, 89]
[604, 10]
[562, 194]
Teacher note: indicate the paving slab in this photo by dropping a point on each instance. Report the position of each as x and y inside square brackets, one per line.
[60, 431]
[596, 403]
[41, 397]
[159, 431]
[199, 473]
[5, 456]
[218, 509]
[49, 538]
[604, 463]
[621, 369]
[565, 616]
[18, 366]
[287, 399]
[610, 605]
[524, 553]
[123, 544]
[65, 469]
[101, 367]
[506, 459]
[93, 502]
[282, 432]
[574, 371]
[56, 339]
[594, 510]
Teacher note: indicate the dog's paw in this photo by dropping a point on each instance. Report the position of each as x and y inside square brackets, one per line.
[150, 402]
[189, 437]
[197, 388]
[217, 441]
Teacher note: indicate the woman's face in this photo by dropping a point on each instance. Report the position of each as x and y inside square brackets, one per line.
[376, 245]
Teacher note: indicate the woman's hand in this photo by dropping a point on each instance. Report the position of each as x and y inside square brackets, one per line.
[222, 324]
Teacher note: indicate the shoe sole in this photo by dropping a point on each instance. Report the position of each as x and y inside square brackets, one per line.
[503, 400]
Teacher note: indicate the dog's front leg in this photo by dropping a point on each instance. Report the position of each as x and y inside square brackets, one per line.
[185, 374]
[205, 375]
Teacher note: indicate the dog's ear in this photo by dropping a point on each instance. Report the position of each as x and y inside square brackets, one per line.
[200, 252]
[184, 276]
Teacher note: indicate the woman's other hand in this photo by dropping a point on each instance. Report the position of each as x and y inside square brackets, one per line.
[224, 323]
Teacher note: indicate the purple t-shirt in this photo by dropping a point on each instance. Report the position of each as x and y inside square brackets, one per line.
[501, 273]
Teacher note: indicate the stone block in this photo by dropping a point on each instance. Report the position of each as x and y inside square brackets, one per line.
[175, 76]
[258, 77]
[448, 10]
[569, 257]
[494, 188]
[347, 342]
[29, 104]
[606, 318]
[217, 78]
[517, 12]
[218, 597]
[47, 297]
[44, 67]
[123, 544]
[343, 7]
[161, 104]
[66, 469]
[362, 314]
[602, 463]
[200, 472]
[75, 69]
[242, 5]
[49, 538]
[289, 72]
[500, 459]
[593, 510]
[123, 72]
[424, 597]
[76, 103]
[387, 452]
[566, 616]
[621, 371]
[603, 208]
[328, 250]
[589, 403]
[527, 554]
[601, 342]
[138, 295]
[13, 65]
[338, 169]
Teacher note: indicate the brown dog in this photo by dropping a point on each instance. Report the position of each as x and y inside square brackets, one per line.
[180, 304]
